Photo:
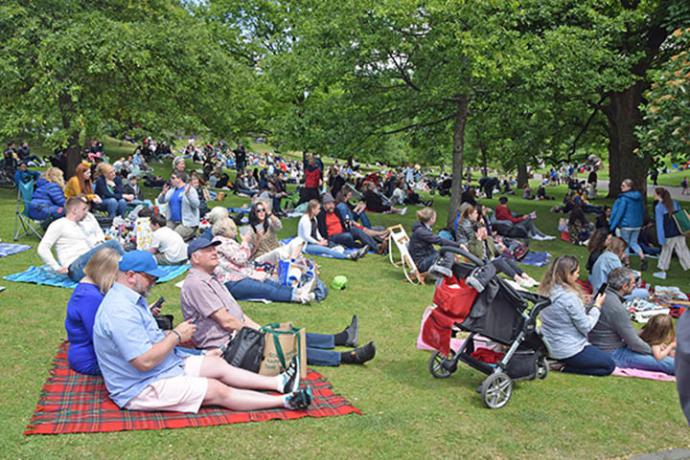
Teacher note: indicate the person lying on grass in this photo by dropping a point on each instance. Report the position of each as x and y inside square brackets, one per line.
[144, 369]
[614, 332]
[525, 222]
[217, 314]
[76, 237]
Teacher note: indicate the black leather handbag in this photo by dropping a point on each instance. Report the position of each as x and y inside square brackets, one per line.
[245, 349]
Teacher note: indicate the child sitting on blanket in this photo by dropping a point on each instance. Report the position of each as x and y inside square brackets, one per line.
[660, 334]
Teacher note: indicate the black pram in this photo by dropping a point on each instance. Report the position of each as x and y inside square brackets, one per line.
[502, 314]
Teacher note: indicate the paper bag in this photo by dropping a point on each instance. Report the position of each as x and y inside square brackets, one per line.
[283, 342]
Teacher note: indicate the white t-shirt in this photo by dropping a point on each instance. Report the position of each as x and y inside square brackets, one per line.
[71, 240]
[169, 243]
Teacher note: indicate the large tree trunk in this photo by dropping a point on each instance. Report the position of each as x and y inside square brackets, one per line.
[458, 153]
[623, 116]
[485, 159]
[522, 177]
[73, 147]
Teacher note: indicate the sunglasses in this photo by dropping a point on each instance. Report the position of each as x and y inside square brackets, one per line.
[260, 210]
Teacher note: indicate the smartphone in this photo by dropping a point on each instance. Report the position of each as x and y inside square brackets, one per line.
[602, 289]
[158, 303]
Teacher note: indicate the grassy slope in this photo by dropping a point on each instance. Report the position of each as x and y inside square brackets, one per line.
[407, 413]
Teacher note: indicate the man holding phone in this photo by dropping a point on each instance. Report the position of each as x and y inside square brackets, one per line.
[144, 368]
[614, 332]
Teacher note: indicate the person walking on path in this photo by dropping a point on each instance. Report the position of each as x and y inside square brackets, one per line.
[670, 237]
[627, 218]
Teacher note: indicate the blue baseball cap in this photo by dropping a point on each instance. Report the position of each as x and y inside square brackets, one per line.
[199, 243]
[140, 262]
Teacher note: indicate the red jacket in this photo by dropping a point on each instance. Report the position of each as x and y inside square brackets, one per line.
[503, 213]
[312, 177]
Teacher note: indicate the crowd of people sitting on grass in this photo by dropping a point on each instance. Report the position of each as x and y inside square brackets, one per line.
[113, 330]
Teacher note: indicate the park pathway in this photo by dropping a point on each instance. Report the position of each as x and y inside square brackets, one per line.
[603, 185]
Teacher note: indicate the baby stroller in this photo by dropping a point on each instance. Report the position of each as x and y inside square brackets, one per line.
[500, 314]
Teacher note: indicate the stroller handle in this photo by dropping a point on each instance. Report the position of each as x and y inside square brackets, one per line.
[471, 257]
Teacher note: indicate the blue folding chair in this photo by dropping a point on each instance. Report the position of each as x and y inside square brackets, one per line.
[23, 224]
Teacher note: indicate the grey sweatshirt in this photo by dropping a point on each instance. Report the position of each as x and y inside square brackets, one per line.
[614, 329]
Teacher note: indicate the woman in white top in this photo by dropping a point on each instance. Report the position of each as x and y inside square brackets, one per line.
[308, 230]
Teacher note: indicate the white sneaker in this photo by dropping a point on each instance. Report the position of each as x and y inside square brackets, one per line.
[307, 298]
[548, 238]
[537, 237]
[403, 211]
[660, 275]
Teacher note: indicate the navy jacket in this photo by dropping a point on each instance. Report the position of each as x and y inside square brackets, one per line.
[104, 192]
[422, 242]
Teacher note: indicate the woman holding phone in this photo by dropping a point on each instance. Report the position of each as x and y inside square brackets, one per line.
[566, 322]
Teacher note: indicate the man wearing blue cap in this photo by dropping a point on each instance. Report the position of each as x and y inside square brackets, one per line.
[144, 369]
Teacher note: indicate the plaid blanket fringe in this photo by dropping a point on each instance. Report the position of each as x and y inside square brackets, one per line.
[74, 403]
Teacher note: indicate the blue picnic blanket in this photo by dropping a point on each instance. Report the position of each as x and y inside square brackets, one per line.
[347, 251]
[239, 210]
[536, 258]
[43, 275]
[7, 249]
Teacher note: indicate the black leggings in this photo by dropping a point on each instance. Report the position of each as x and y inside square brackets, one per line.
[506, 266]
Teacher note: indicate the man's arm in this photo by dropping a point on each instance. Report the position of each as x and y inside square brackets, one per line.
[45, 246]
[157, 353]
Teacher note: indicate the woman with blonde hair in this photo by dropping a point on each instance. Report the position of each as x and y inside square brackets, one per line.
[80, 184]
[48, 200]
[109, 188]
[237, 272]
[566, 323]
[100, 274]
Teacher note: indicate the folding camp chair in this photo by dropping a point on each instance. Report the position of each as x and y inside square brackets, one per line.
[23, 224]
[400, 240]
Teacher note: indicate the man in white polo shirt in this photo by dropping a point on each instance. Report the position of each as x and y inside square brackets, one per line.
[76, 237]
[166, 244]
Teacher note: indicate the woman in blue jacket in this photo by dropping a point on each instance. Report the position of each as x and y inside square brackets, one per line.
[670, 237]
[48, 200]
[100, 272]
[627, 217]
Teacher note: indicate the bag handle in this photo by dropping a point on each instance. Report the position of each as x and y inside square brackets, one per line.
[273, 329]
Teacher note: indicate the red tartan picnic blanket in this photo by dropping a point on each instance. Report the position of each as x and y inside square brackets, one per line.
[74, 403]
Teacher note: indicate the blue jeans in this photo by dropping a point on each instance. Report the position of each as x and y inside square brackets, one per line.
[348, 239]
[317, 250]
[590, 361]
[637, 293]
[630, 235]
[624, 357]
[114, 206]
[320, 350]
[76, 268]
[345, 211]
[249, 288]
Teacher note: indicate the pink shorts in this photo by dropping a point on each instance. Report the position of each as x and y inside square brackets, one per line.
[183, 393]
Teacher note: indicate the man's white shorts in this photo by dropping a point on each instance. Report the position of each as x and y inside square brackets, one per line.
[183, 393]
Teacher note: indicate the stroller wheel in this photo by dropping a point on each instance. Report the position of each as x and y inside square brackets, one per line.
[439, 365]
[496, 390]
[542, 368]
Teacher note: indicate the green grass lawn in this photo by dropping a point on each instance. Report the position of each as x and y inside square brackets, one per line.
[406, 412]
